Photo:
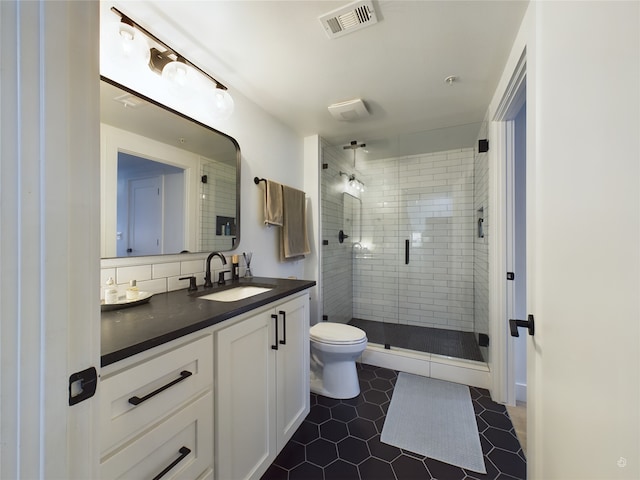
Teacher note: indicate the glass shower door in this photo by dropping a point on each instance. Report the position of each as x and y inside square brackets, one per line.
[375, 256]
[436, 222]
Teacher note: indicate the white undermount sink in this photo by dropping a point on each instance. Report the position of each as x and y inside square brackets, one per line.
[235, 294]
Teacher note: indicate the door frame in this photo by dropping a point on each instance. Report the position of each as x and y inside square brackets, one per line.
[501, 291]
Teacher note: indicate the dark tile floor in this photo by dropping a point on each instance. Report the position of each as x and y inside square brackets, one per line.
[340, 440]
[423, 339]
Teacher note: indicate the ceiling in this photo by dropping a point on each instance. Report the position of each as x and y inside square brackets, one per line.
[278, 55]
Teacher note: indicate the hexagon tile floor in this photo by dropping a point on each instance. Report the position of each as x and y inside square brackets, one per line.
[340, 440]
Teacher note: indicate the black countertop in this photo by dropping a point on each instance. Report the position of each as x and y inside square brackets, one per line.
[171, 315]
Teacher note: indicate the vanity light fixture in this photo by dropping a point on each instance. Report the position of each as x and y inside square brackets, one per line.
[184, 76]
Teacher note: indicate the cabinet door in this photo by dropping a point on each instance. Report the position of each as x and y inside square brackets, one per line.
[292, 367]
[245, 407]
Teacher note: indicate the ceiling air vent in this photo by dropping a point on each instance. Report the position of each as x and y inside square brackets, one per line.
[130, 101]
[348, 19]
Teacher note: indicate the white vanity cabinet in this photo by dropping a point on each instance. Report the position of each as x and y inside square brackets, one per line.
[262, 386]
[156, 412]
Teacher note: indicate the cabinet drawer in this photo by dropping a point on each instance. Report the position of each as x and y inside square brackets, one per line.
[137, 396]
[181, 446]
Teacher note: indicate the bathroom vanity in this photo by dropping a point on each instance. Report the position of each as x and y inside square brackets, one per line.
[204, 389]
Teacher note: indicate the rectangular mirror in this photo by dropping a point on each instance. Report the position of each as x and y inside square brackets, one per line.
[169, 184]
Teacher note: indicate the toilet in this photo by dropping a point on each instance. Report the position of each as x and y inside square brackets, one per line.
[335, 347]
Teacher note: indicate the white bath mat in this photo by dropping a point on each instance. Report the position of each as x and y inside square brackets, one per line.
[436, 419]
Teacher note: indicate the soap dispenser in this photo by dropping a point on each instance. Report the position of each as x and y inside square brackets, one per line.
[132, 291]
[110, 292]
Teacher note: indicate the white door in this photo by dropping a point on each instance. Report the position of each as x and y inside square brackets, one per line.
[49, 247]
[145, 216]
[583, 239]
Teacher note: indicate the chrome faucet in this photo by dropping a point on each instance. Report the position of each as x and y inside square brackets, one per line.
[207, 275]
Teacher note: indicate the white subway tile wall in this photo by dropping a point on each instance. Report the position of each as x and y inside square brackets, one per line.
[426, 199]
[218, 199]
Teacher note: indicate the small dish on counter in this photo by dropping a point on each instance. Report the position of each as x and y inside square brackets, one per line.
[143, 297]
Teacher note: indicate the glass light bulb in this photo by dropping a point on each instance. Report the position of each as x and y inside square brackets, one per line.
[223, 104]
[133, 44]
[177, 73]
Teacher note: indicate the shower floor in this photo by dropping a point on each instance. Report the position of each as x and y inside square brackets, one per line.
[423, 339]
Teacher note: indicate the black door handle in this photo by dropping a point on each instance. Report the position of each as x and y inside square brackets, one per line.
[406, 252]
[284, 327]
[528, 324]
[342, 236]
[275, 345]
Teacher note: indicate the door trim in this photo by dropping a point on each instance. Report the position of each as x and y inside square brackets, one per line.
[502, 129]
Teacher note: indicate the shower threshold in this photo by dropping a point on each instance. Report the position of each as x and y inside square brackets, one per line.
[403, 356]
[448, 343]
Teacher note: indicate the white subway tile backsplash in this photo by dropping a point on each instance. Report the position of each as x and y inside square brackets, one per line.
[159, 285]
[137, 273]
[190, 267]
[161, 270]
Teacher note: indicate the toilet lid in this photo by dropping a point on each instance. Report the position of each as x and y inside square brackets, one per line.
[336, 333]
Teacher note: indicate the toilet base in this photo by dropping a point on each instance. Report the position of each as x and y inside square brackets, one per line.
[339, 380]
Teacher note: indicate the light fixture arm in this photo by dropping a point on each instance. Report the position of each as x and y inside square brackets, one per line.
[162, 58]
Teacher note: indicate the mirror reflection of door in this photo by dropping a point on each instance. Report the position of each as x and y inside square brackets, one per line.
[145, 216]
[150, 207]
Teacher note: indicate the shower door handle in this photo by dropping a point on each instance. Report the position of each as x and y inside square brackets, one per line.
[406, 252]
[528, 324]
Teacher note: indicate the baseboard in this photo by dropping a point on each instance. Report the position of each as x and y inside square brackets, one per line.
[451, 369]
[521, 392]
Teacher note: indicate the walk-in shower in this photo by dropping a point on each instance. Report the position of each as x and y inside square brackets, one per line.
[404, 253]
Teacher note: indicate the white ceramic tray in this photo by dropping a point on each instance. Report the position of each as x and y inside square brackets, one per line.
[143, 297]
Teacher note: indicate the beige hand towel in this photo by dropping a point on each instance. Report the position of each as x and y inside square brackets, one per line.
[294, 240]
[273, 203]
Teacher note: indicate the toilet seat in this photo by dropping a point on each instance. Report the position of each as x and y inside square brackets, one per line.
[336, 334]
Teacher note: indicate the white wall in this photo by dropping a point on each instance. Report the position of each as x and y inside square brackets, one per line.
[269, 150]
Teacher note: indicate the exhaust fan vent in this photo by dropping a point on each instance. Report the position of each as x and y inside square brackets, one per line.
[130, 101]
[350, 110]
[348, 19]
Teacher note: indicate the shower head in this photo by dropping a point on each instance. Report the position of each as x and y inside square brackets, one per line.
[354, 145]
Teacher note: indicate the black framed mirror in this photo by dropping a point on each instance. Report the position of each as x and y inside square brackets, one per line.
[169, 184]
